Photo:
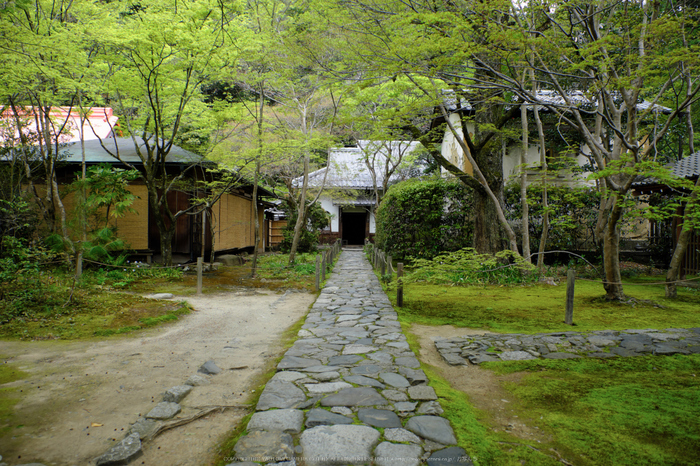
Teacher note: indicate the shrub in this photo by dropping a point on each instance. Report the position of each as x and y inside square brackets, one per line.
[308, 241]
[467, 267]
[422, 218]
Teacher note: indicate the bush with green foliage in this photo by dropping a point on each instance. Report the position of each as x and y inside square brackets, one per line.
[318, 219]
[422, 218]
[573, 212]
[467, 267]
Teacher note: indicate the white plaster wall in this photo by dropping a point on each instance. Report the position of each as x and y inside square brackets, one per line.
[334, 210]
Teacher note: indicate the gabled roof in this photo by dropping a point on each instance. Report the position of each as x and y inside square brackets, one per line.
[688, 167]
[347, 168]
[95, 153]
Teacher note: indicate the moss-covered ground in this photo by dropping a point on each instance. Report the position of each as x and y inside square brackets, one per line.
[540, 307]
[631, 411]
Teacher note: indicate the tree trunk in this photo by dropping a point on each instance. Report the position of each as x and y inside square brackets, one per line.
[674, 267]
[611, 254]
[525, 231]
[545, 200]
[301, 212]
[488, 235]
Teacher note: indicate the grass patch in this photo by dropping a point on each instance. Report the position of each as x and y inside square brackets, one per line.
[94, 314]
[472, 430]
[540, 308]
[9, 396]
[632, 411]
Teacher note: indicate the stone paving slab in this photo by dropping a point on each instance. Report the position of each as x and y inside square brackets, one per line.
[359, 388]
[568, 345]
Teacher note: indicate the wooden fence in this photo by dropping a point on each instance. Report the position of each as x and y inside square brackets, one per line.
[325, 261]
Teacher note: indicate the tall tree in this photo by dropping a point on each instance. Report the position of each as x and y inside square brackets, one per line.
[160, 54]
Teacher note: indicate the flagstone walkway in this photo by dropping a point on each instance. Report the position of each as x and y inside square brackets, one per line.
[349, 391]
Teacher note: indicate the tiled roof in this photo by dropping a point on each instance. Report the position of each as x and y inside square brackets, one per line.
[95, 153]
[347, 168]
[688, 167]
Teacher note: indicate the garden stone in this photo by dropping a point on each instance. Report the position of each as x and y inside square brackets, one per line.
[401, 435]
[259, 444]
[342, 410]
[329, 387]
[359, 349]
[296, 362]
[367, 369]
[408, 361]
[177, 393]
[422, 393]
[143, 427]
[405, 406]
[164, 410]
[197, 380]
[209, 368]
[123, 452]
[393, 379]
[285, 420]
[414, 376]
[453, 359]
[433, 428]
[321, 417]
[391, 454]
[430, 407]
[326, 376]
[345, 360]
[280, 395]
[356, 396]
[379, 418]
[163, 296]
[338, 445]
[394, 395]
[287, 376]
[516, 356]
[362, 380]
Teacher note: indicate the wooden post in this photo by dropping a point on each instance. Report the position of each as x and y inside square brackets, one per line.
[570, 282]
[399, 289]
[323, 267]
[79, 266]
[388, 266]
[199, 275]
[318, 266]
[382, 262]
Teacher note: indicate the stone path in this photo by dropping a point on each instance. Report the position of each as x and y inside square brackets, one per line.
[349, 391]
[568, 345]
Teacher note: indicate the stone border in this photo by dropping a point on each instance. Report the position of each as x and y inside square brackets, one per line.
[476, 349]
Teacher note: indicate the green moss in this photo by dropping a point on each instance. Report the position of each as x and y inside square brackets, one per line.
[631, 411]
[9, 396]
[540, 308]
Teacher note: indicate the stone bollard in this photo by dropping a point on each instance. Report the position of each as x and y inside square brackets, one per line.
[199, 275]
[399, 289]
[318, 266]
[570, 282]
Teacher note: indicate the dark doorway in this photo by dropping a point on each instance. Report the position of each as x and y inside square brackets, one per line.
[354, 227]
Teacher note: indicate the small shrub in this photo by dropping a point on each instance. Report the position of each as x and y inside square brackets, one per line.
[467, 267]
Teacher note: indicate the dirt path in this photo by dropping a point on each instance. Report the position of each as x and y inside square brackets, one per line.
[82, 396]
[481, 385]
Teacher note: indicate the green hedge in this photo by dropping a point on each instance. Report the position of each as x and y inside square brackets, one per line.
[422, 218]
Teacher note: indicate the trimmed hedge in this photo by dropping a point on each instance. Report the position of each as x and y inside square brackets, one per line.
[422, 218]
